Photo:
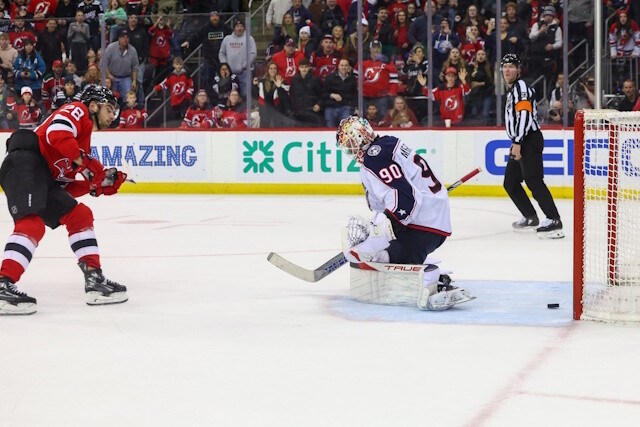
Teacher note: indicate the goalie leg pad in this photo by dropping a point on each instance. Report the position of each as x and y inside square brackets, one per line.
[429, 285]
[362, 240]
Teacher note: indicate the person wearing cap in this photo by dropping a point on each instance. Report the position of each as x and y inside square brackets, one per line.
[233, 51]
[287, 60]
[624, 36]
[332, 16]
[26, 110]
[211, 36]
[351, 45]
[546, 42]
[275, 13]
[50, 43]
[69, 93]
[380, 78]
[119, 62]
[305, 93]
[451, 94]
[325, 61]
[52, 83]
[525, 155]
[29, 68]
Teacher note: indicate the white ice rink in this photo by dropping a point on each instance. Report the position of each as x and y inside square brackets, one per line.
[214, 335]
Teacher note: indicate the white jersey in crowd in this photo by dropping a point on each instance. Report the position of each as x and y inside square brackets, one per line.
[399, 181]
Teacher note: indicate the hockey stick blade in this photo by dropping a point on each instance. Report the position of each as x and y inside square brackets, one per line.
[307, 275]
[339, 259]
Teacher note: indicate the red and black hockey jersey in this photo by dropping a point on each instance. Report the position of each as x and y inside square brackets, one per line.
[323, 65]
[159, 44]
[28, 116]
[451, 100]
[380, 79]
[198, 117]
[181, 87]
[132, 118]
[287, 66]
[50, 87]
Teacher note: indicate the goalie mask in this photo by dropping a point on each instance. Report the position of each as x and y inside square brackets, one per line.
[354, 136]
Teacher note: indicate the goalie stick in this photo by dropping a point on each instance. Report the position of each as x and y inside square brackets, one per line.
[338, 260]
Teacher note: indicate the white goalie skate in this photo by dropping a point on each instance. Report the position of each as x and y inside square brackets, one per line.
[441, 295]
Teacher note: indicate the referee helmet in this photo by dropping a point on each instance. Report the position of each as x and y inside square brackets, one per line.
[510, 58]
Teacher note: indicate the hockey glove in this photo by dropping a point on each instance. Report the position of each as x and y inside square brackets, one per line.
[92, 170]
[111, 183]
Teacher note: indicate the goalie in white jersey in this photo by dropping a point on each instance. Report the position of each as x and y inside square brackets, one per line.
[412, 214]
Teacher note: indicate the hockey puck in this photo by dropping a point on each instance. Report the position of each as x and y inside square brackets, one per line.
[555, 305]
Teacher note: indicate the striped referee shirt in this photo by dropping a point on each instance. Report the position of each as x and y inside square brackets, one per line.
[520, 112]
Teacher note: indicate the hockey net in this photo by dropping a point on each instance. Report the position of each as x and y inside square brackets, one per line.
[607, 216]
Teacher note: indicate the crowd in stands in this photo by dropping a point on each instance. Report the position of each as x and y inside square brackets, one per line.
[51, 49]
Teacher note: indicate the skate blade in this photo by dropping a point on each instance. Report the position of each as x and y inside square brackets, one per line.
[526, 229]
[96, 298]
[17, 309]
[549, 235]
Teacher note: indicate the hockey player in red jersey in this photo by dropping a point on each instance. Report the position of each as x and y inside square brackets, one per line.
[38, 176]
[411, 210]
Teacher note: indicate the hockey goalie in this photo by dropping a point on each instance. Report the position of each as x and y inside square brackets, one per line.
[388, 253]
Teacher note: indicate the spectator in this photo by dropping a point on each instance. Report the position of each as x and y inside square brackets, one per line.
[471, 43]
[416, 65]
[20, 33]
[400, 115]
[380, 78]
[400, 33]
[211, 37]
[160, 43]
[139, 39]
[339, 94]
[472, 17]
[333, 16]
[271, 96]
[180, 85]
[519, 27]
[5, 18]
[28, 69]
[91, 10]
[582, 95]
[454, 60]
[444, 11]
[143, 12]
[50, 44]
[69, 93]
[412, 13]
[443, 42]
[288, 60]
[556, 93]
[26, 111]
[306, 93]
[351, 45]
[65, 14]
[288, 31]
[200, 114]
[373, 115]
[306, 45]
[317, 8]
[580, 13]
[5, 93]
[230, 5]
[624, 36]
[224, 83]
[546, 42]
[382, 31]
[172, 10]
[325, 61]
[233, 114]
[275, 16]
[132, 116]
[91, 77]
[233, 51]
[301, 15]
[115, 18]
[418, 29]
[509, 42]
[51, 84]
[555, 113]
[71, 70]
[41, 11]
[91, 58]
[120, 63]
[630, 98]
[79, 39]
[8, 55]
[450, 94]
[482, 87]
[338, 39]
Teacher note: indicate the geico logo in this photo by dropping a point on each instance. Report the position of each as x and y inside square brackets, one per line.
[146, 155]
[596, 157]
[555, 159]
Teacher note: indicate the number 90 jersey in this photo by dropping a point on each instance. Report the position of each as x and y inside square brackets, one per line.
[400, 181]
[62, 136]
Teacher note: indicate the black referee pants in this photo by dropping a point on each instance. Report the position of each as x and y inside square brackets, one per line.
[529, 168]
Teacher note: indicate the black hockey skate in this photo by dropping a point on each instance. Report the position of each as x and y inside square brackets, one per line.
[99, 289]
[525, 224]
[12, 301]
[550, 229]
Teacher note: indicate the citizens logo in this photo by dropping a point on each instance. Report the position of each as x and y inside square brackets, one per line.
[258, 156]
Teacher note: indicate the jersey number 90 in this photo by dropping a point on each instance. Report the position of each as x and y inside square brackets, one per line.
[393, 171]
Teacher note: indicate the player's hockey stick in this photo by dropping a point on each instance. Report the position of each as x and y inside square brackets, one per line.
[338, 260]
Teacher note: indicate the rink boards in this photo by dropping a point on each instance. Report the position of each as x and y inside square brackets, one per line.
[301, 161]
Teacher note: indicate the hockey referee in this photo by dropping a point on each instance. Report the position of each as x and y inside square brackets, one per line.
[525, 156]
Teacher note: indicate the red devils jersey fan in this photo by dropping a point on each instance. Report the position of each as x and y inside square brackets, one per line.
[325, 61]
[288, 60]
[38, 177]
[451, 94]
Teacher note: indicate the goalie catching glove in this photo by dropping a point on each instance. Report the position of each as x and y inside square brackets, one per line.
[103, 180]
[364, 240]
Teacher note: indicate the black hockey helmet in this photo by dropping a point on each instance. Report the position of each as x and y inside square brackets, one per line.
[510, 58]
[100, 95]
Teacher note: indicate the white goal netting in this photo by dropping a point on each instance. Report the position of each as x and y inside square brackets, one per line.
[609, 225]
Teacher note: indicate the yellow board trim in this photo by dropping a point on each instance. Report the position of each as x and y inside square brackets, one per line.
[336, 189]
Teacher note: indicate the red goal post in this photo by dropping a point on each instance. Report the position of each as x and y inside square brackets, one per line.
[606, 268]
